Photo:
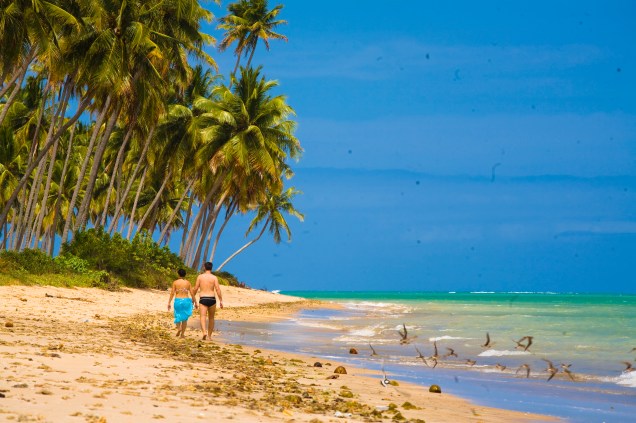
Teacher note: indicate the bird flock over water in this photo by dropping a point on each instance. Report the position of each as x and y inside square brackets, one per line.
[522, 344]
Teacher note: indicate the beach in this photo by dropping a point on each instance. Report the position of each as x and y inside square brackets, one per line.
[90, 355]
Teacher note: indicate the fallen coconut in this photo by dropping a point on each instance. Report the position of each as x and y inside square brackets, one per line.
[340, 370]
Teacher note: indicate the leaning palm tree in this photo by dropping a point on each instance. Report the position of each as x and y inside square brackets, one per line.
[248, 22]
[271, 212]
[247, 135]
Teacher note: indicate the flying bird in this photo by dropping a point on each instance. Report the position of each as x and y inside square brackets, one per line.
[628, 367]
[520, 344]
[527, 369]
[492, 171]
[488, 344]
[551, 369]
[470, 362]
[567, 371]
[529, 338]
[451, 353]
[404, 335]
[373, 353]
[421, 356]
[500, 367]
[435, 353]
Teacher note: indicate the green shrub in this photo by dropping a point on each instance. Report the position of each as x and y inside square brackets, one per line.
[33, 261]
[226, 278]
[139, 263]
[73, 263]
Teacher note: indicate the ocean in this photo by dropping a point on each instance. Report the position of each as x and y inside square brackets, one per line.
[593, 336]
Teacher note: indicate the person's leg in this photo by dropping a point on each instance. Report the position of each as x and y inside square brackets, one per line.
[183, 327]
[203, 311]
[211, 313]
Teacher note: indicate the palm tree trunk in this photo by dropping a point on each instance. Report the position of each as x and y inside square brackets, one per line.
[195, 254]
[228, 215]
[194, 229]
[58, 202]
[240, 250]
[37, 181]
[4, 240]
[206, 234]
[34, 141]
[11, 99]
[20, 75]
[82, 173]
[43, 209]
[131, 180]
[17, 219]
[175, 211]
[249, 61]
[118, 161]
[82, 219]
[66, 92]
[20, 72]
[134, 208]
[14, 195]
[185, 226]
[233, 76]
[190, 250]
[210, 232]
[195, 224]
[30, 209]
[155, 200]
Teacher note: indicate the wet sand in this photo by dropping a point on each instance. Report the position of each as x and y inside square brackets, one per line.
[89, 355]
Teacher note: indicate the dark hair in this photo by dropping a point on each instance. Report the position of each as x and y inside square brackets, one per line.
[207, 266]
[181, 273]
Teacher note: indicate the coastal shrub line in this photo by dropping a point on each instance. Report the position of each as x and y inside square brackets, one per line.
[95, 258]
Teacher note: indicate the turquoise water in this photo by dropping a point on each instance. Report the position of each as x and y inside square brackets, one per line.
[593, 333]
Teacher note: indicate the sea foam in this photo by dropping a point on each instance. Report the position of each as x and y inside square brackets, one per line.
[445, 337]
[366, 332]
[627, 379]
[378, 307]
[313, 324]
[499, 353]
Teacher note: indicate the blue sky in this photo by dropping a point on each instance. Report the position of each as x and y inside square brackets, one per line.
[455, 146]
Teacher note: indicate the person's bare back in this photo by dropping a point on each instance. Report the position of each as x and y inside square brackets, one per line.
[207, 285]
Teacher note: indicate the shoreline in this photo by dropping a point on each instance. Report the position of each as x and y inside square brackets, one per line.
[84, 354]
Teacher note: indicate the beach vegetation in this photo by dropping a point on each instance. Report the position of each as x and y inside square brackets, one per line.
[32, 261]
[119, 136]
[409, 406]
[346, 393]
[94, 258]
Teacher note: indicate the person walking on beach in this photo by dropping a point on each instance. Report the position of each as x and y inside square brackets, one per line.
[184, 300]
[209, 288]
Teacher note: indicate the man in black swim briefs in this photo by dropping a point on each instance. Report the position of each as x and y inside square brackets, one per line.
[207, 301]
[208, 287]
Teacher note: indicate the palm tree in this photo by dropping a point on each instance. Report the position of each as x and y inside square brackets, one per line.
[247, 137]
[248, 22]
[271, 212]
